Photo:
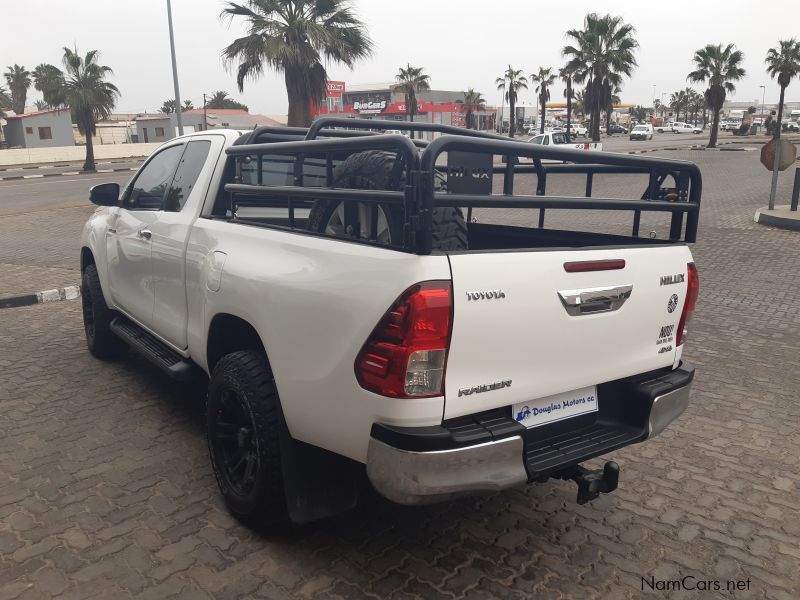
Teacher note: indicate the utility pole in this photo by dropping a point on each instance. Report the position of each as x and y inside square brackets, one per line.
[205, 113]
[763, 94]
[178, 105]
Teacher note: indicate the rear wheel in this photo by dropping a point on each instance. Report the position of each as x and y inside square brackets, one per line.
[383, 223]
[243, 428]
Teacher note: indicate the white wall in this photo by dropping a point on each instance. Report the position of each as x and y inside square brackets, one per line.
[23, 156]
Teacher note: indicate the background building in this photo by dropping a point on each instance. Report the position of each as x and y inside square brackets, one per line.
[383, 101]
[41, 129]
[160, 127]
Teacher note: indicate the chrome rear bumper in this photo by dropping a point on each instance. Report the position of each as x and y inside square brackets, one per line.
[409, 476]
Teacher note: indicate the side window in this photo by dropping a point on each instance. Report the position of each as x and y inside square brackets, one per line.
[186, 176]
[559, 138]
[546, 141]
[151, 184]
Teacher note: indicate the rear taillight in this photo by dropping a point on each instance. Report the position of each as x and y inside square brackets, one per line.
[406, 354]
[692, 291]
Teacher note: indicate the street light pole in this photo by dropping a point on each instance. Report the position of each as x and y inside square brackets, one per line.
[178, 105]
[763, 94]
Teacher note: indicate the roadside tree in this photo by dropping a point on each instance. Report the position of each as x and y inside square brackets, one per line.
[296, 38]
[718, 67]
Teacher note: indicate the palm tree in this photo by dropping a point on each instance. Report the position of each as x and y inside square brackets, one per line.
[5, 102]
[295, 37]
[510, 83]
[579, 102]
[18, 79]
[411, 81]
[49, 80]
[545, 79]
[656, 107]
[168, 106]
[473, 101]
[611, 101]
[87, 93]
[784, 63]
[565, 75]
[601, 53]
[221, 99]
[677, 102]
[719, 67]
[187, 105]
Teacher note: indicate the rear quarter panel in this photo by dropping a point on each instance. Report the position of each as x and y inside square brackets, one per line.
[314, 302]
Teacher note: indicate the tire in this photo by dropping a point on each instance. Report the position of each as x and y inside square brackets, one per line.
[375, 170]
[97, 318]
[243, 430]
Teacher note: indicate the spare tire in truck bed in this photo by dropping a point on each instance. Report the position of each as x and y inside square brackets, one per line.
[378, 170]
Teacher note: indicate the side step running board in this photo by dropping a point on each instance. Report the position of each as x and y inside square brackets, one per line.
[162, 356]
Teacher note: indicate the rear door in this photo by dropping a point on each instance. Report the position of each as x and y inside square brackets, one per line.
[525, 328]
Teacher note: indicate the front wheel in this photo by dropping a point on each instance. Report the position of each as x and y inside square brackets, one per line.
[97, 318]
[243, 428]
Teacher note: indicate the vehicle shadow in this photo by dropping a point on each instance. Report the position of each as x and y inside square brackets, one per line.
[502, 539]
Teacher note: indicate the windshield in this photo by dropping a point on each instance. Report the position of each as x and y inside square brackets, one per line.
[640, 128]
[536, 140]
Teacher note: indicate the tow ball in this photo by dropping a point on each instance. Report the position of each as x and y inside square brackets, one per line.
[592, 483]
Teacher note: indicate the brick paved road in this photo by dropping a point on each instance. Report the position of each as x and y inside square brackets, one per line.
[106, 491]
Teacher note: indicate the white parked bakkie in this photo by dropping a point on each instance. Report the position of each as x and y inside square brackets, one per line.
[351, 320]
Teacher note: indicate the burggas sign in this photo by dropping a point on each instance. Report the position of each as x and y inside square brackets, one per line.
[788, 154]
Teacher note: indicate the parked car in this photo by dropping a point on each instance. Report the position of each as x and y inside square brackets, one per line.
[551, 138]
[576, 130]
[791, 126]
[680, 127]
[615, 128]
[347, 331]
[642, 132]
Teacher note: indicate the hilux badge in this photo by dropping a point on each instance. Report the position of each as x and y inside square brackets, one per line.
[673, 279]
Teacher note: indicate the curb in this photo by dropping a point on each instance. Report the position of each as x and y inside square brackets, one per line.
[71, 292]
[67, 164]
[15, 177]
[778, 218]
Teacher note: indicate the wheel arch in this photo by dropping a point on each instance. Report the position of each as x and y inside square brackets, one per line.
[87, 258]
[229, 333]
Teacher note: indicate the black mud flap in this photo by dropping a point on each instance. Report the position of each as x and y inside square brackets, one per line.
[318, 483]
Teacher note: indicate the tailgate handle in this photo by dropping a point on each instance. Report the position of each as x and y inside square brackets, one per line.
[594, 300]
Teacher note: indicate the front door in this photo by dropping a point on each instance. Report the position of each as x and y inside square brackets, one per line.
[128, 242]
[170, 235]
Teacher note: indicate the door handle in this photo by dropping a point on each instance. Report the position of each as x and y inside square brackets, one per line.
[594, 300]
[144, 234]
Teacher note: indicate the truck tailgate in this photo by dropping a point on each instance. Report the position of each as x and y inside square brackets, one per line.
[524, 328]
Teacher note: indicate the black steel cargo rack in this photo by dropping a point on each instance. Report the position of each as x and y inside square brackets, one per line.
[421, 160]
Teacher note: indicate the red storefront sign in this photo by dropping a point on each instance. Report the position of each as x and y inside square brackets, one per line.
[335, 89]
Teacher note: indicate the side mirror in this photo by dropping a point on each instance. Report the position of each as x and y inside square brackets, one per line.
[104, 194]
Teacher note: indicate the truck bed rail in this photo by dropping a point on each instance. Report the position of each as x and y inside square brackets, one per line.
[419, 195]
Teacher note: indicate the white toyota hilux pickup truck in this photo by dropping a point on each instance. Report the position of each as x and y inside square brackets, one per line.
[358, 309]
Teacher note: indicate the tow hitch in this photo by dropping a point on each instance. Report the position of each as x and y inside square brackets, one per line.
[592, 483]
